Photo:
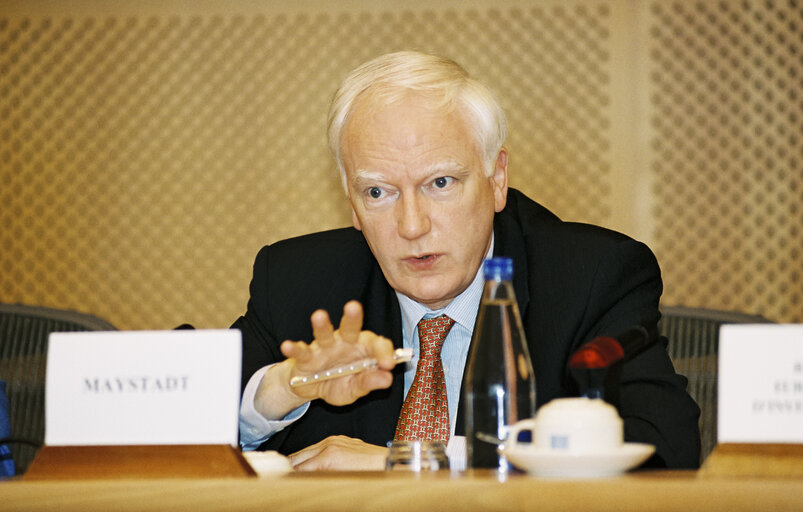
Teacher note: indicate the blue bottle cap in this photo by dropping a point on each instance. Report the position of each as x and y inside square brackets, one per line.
[498, 269]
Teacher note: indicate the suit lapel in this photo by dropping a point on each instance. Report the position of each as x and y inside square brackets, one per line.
[509, 242]
[383, 316]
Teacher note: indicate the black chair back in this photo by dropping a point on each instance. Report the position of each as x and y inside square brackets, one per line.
[693, 335]
[24, 332]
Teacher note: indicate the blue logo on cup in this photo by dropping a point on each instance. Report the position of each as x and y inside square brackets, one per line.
[559, 442]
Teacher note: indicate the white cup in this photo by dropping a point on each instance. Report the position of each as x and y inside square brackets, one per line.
[575, 426]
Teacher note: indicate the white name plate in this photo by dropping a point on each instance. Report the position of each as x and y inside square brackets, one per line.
[760, 384]
[143, 388]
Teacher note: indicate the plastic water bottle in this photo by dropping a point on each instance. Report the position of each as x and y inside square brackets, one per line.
[500, 384]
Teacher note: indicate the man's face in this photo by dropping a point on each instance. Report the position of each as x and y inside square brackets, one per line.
[420, 195]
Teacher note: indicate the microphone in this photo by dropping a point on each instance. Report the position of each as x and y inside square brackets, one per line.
[596, 366]
[604, 351]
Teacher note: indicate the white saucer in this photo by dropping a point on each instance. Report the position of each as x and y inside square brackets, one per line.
[268, 463]
[554, 464]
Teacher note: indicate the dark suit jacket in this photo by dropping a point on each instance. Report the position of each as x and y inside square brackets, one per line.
[572, 282]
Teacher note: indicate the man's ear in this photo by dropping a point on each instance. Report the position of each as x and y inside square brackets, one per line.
[355, 220]
[499, 180]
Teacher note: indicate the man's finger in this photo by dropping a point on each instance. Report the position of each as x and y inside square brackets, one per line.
[297, 350]
[375, 379]
[380, 347]
[304, 455]
[322, 328]
[351, 322]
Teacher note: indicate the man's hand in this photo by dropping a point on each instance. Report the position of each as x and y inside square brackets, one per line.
[275, 398]
[340, 453]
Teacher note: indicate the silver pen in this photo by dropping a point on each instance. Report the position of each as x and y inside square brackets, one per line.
[400, 355]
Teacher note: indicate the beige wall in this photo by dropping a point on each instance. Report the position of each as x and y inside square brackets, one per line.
[148, 149]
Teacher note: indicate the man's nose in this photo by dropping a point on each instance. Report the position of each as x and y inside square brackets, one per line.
[413, 217]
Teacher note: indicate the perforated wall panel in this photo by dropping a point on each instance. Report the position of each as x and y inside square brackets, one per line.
[726, 120]
[148, 151]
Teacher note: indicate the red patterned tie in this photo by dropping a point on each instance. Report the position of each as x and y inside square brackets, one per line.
[425, 412]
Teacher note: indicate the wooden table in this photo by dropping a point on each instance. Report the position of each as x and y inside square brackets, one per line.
[442, 491]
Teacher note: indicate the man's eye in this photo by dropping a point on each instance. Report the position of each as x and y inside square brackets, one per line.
[375, 192]
[442, 182]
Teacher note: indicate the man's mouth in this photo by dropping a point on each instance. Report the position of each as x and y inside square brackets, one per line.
[423, 261]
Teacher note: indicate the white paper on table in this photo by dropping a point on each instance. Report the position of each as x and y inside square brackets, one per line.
[143, 387]
[760, 384]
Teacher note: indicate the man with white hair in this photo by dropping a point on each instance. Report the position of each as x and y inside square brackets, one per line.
[419, 145]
